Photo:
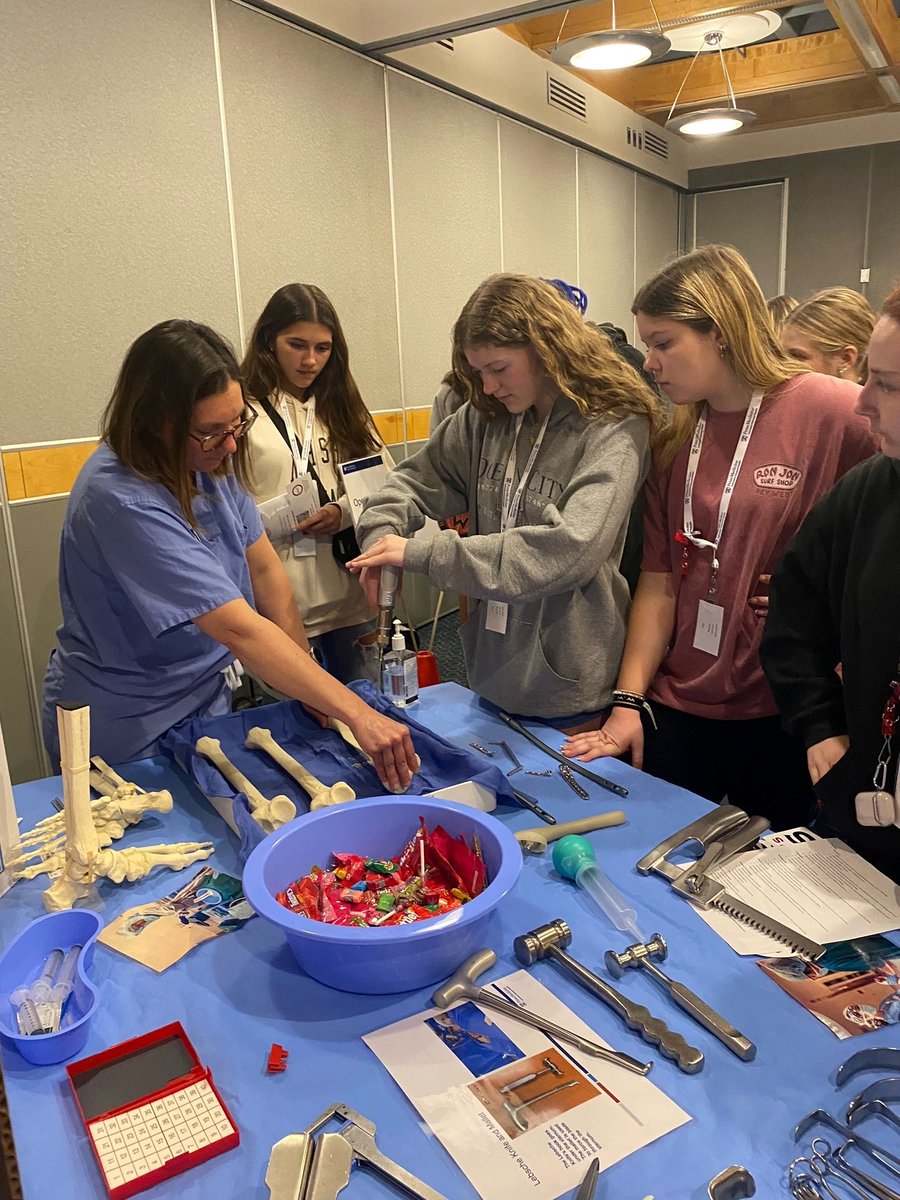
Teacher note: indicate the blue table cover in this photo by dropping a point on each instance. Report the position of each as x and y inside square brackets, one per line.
[238, 994]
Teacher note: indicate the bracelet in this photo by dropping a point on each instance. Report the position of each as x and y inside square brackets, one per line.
[633, 700]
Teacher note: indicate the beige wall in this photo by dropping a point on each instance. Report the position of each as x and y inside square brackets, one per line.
[187, 158]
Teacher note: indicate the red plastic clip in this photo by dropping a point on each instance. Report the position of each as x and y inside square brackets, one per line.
[277, 1060]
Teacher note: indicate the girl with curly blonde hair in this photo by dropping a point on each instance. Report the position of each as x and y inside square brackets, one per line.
[547, 457]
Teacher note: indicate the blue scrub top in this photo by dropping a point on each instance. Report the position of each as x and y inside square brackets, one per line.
[132, 576]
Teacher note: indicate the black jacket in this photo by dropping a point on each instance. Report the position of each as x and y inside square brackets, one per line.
[835, 598]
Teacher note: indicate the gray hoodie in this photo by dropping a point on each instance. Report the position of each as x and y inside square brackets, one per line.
[557, 569]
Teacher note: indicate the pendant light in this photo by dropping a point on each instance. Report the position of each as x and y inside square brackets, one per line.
[612, 49]
[710, 122]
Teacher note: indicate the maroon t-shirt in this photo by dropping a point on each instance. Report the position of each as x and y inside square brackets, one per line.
[806, 436]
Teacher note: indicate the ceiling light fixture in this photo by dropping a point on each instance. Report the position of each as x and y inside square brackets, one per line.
[710, 122]
[612, 49]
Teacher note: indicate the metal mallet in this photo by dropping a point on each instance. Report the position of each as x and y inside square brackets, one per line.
[640, 954]
[462, 986]
[550, 941]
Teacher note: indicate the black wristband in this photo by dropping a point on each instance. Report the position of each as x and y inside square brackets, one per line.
[634, 701]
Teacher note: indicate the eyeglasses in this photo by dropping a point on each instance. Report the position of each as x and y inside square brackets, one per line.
[214, 441]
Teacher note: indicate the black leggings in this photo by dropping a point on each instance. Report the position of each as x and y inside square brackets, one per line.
[753, 764]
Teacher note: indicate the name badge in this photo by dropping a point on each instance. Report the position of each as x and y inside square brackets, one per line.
[708, 630]
[304, 545]
[495, 620]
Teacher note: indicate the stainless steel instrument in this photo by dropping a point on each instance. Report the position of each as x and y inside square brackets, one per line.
[551, 940]
[640, 955]
[462, 985]
[353, 1145]
[721, 833]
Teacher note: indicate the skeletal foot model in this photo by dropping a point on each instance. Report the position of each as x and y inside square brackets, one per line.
[268, 814]
[122, 804]
[320, 794]
[83, 860]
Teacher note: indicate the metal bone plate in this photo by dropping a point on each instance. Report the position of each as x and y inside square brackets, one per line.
[566, 772]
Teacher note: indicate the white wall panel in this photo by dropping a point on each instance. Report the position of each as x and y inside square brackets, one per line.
[606, 238]
[656, 227]
[537, 175]
[113, 198]
[309, 166]
[447, 199]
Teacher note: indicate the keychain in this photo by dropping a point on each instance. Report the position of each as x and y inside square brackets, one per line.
[879, 807]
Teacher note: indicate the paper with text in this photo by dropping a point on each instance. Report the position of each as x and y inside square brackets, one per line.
[522, 1114]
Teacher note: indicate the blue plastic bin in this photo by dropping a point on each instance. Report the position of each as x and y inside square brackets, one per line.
[22, 964]
[395, 959]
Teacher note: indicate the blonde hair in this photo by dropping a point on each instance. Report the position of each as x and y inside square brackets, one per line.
[834, 318]
[713, 287]
[780, 308]
[582, 363]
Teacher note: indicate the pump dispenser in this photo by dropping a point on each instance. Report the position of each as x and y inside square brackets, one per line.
[400, 671]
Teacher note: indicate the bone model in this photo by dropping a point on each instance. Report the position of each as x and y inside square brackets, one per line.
[347, 734]
[123, 804]
[320, 794]
[83, 858]
[268, 814]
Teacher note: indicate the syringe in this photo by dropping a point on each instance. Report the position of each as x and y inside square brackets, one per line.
[574, 858]
[31, 1002]
[61, 989]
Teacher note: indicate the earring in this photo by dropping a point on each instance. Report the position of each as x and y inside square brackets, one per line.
[723, 347]
[842, 370]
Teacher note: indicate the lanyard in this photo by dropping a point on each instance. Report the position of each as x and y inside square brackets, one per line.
[511, 503]
[689, 533]
[301, 458]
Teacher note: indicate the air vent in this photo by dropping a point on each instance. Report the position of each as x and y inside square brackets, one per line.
[560, 95]
[648, 141]
[446, 44]
[654, 144]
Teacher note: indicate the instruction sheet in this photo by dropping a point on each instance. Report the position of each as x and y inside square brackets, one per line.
[821, 888]
[520, 1112]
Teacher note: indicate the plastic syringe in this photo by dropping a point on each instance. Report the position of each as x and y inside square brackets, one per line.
[61, 989]
[574, 858]
[31, 1000]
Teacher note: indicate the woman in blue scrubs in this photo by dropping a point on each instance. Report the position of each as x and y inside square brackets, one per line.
[166, 576]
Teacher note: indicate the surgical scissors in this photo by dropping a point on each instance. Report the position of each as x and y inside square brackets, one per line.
[827, 1167]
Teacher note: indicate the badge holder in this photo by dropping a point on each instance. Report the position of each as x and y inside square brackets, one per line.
[878, 807]
[151, 1110]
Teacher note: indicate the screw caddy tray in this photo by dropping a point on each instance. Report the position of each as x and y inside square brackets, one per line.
[150, 1109]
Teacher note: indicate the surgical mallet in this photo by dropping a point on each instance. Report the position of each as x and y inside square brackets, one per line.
[513, 1110]
[574, 858]
[551, 940]
[462, 986]
[640, 954]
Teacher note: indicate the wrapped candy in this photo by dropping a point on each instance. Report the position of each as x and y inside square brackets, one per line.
[433, 874]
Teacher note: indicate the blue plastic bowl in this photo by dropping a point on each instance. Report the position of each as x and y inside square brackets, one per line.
[22, 964]
[400, 958]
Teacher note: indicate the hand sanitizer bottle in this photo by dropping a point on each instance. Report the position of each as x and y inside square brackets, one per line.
[400, 671]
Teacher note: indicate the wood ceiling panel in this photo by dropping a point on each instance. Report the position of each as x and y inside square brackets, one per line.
[826, 101]
[818, 76]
